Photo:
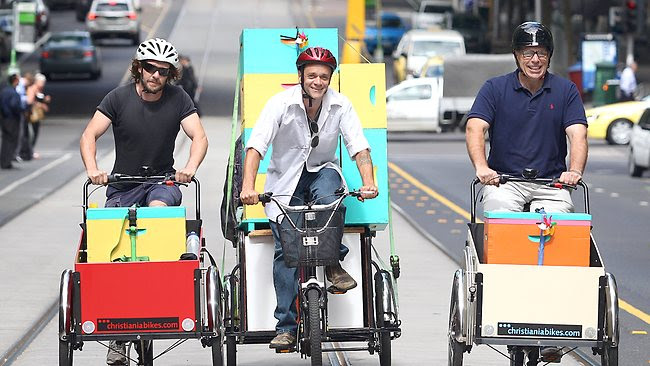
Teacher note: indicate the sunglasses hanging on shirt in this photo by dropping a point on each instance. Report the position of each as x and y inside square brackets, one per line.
[313, 127]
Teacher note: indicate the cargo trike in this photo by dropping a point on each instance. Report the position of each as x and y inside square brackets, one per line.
[533, 280]
[134, 281]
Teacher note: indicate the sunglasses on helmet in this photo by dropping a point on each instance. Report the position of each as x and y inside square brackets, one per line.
[162, 71]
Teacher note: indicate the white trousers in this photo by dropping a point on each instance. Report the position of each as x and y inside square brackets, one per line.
[512, 196]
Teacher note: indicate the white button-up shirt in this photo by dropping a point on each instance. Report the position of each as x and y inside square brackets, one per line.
[283, 124]
[628, 81]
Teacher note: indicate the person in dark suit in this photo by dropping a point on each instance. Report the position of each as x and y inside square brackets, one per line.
[12, 111]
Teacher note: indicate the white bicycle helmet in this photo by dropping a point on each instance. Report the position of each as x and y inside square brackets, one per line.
[158, 49]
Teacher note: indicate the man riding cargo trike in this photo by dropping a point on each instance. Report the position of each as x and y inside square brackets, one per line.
[300, 256]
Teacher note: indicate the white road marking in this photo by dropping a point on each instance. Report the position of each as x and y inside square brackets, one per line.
[35, 173]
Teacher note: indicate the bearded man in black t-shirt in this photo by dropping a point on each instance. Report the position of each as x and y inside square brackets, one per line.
[146, 116]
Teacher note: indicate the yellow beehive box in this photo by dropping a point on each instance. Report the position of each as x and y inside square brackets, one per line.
[161, 233]
[365, 86]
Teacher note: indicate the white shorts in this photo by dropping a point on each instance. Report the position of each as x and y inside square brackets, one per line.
[512, 196]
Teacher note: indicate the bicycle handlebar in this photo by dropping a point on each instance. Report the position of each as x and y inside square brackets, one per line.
[549, 182]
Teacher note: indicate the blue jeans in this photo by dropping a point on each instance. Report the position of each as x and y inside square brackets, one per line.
[311, 186]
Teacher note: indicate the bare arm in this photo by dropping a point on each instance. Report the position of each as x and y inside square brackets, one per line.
[577, 134]
[194, 130]
[475, 140]
[97, 126]
[364, 164]
[248, 195]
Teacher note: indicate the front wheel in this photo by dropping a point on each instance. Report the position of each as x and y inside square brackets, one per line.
[144, 349]
[384, 336]
[609, 356]
[619, 132]
[633, 169]
[455, 349]
[315, 334]
[65, 353]
[217, 351]
[231, 351]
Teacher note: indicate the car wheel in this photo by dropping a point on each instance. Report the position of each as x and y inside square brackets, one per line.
[619, 132]
[635, 170]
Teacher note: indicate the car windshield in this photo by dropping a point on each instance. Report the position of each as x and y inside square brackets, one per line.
[112, 7]
[69, 40]
[436, 48]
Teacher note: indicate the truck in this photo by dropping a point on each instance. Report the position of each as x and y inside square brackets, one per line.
[462, 78]
[433, 13]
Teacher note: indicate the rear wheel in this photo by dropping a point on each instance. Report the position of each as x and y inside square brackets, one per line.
[217, 351]
[315, 333]
[384, 337]
[516, 356]
[65, 319]
[635, 170]
[455, 349]
[144, 350]
[619, 132]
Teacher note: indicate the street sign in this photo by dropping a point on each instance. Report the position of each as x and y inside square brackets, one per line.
[24, 34]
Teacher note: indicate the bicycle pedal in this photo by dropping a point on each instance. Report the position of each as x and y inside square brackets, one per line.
[335, 290]
[285, 350]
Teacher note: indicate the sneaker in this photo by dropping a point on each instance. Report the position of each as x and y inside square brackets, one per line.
[116, 353]
[340, 279]
[284, 340]
[551, 354]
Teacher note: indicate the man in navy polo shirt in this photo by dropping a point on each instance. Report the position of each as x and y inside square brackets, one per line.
[529, 114]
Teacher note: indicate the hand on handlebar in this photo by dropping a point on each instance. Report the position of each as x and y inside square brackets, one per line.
[97, 176]
[185, 175]
[488, 176]
[368, 192]
[249, 196]
[571, 177]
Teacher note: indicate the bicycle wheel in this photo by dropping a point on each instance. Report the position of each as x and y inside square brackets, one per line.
[144, 349]
[516, 357]
[65, 353]
[384, 337]
[314, 334]
[231, 351]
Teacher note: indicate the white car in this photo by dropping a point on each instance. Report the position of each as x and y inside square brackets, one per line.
[413, 105]
[113, 18]
[639, 149]
[417, 46]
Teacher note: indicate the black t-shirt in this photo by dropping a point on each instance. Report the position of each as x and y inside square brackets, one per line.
[145, 132]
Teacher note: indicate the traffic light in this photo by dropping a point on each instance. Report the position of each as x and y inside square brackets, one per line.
[630, 16]
[616, 19]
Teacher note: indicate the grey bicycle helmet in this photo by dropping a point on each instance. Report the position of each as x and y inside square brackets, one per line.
[158, 49]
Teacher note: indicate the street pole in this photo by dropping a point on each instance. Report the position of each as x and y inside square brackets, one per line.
[379, 50]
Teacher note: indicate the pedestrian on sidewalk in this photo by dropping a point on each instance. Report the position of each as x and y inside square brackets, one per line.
[188, 81]
[12, 111]
[38, 105]
[628, 82]
[23, 150]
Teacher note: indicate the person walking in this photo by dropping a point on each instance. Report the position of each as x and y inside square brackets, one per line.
[628, 82]
[12, 111]
[187, 80]
[38, 105]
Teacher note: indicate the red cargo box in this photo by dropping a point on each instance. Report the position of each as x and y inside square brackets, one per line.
[513, 238]
[137, 297]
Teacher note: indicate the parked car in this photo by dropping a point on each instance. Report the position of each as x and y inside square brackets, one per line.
[639, 149]
[42, 16]
[417, 46]
[70, 53]
[474, 31]
[614, 122]
[412, 105]
[433, 13]
[392, 30]
[113, 18]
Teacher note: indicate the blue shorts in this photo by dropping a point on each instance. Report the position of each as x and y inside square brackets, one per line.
[143, 194]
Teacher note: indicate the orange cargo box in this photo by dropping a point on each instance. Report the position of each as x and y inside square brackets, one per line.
[514, 238]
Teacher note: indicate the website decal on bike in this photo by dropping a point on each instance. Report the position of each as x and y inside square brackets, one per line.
[539, 330]
[136, 324]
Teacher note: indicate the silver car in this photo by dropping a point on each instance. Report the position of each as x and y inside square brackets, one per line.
[639, 149]
[113, 18]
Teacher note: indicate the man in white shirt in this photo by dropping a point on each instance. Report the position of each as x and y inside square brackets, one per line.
[303, 125]
[628, 82]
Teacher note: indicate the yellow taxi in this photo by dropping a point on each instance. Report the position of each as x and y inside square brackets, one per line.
[613, 122]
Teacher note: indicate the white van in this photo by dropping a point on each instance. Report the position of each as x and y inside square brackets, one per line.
[417, 46]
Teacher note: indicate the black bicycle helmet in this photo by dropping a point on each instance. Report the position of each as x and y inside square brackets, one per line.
[532, 34]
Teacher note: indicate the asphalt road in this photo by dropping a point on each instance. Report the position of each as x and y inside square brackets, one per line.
[619, 203]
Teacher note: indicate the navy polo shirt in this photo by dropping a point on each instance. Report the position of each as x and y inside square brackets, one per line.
[528, 130]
